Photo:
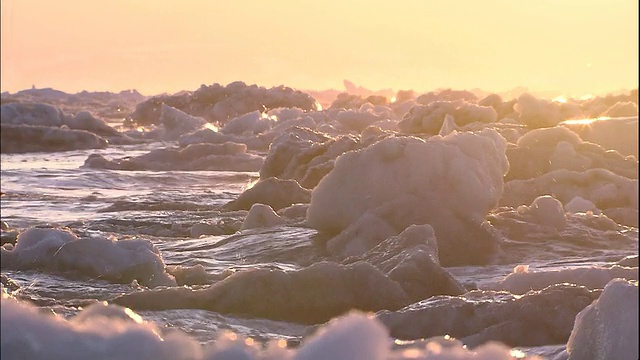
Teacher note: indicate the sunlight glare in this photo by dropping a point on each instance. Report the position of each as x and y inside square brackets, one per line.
[517, 354]
[211, 127]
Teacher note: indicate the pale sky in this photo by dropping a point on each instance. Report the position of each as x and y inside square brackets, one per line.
[154, 46]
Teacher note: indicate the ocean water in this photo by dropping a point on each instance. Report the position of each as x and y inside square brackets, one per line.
[55, 190]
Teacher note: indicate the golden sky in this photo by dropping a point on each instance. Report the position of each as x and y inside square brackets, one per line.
[572, 46]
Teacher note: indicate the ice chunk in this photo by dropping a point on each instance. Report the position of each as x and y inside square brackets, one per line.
[59, 250]
[448, 182]
[261, 215]
[608, 328]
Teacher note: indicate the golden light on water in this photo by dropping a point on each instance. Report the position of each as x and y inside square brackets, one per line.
[584, 121]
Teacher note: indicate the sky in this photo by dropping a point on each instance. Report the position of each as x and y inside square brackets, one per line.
[575, 47]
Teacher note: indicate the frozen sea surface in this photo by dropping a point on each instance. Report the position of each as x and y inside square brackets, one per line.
[181, 216]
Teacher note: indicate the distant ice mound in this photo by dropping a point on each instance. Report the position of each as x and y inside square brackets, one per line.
[608, 328]
[448, 182]
[196, 157]
[356, 120]
[620, 134]
[603, 188]
[622, 109]
[537, 113]
[218, 103]
[61, 251]
[35, 138]
[429, 118]
[543, 150]
[177, 123]
[40, 114]
[31, 114]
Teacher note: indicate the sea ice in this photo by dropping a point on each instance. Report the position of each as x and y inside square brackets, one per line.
[312, 295]
[521, 280]
[602, 187]
[448, 182]
[608, 328]
[274, 192]
[59, 250]
[104, 331]
[261, 215]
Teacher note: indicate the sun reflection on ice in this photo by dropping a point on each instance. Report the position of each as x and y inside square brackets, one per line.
[560, 99]
[584, 121]
[211, 127]
[517, 354]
